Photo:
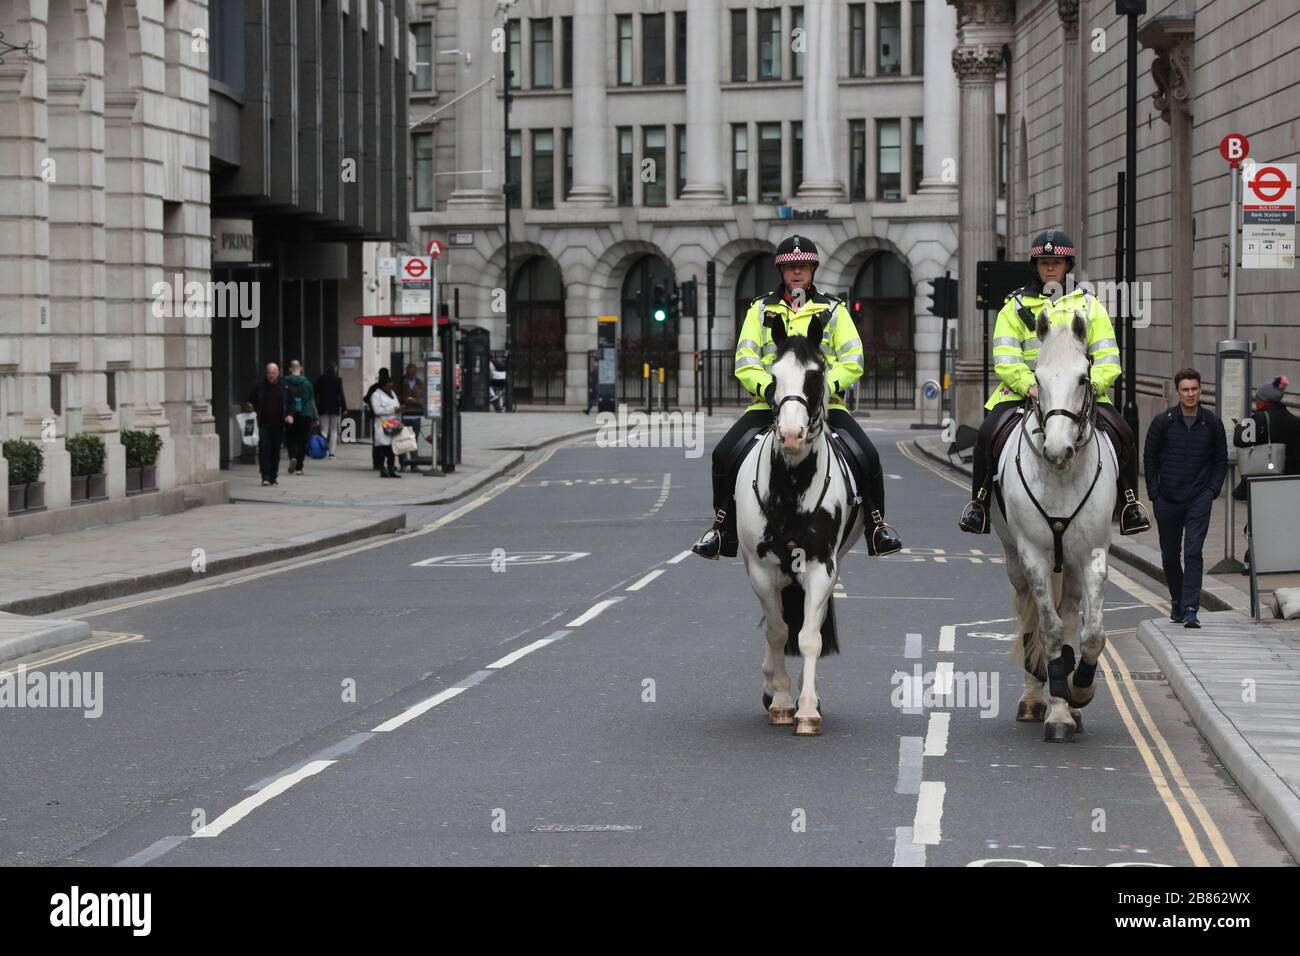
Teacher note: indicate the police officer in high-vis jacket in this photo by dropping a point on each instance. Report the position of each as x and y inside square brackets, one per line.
[794, 304]
[1015, 351]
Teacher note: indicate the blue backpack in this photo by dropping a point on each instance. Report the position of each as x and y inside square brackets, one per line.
[317, 446]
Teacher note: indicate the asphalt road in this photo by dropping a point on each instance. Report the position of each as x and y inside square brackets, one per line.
[608, 709]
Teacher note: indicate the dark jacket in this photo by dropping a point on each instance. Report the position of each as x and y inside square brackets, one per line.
[271, 402]
[1181, 462]
[329, 395]
[1274, 423]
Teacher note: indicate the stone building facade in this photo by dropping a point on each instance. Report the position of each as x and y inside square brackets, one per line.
[652, 136]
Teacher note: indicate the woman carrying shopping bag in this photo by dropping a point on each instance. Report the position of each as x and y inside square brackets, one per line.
[384, 405]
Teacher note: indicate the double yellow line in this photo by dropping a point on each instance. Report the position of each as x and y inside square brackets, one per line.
[103, 639]
[1119, 680]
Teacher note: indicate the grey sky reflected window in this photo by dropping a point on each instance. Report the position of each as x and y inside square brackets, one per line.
[918, 152]
[625, 51]
[424, 171]
[543, 169]
[626, 164]
[857, 39]
[857, 159]
[796, 25]
[796, 178]
[739, 46]
[889, 160]
[918, 37]
[543, 36]
[423, 56]
[566, 56]
[654, 50]
[739, 163]
[226, 43]
[769, 162]
[515, 171]
[679, 47]
[515, 43]
[889, 50]
[654, 147]
[769, 44]
[567, 186]
[1002, 157]
[679, 132]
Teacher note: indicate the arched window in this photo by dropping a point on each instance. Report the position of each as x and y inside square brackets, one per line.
[881, 303]
[537, 301]
[758, 277]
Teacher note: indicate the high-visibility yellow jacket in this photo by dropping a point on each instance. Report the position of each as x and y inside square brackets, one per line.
[1016, 344]
[841, 346]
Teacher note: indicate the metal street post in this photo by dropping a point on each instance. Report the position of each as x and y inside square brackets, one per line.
[1125, 329]
[1134, 9]
[506, 188]
[710, 295]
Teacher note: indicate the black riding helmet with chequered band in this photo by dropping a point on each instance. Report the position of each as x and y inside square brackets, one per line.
[797, 249]
[1053, 244]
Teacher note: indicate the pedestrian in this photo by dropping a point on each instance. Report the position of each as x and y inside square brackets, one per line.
[270, 401]
[1273, 425]
[1186, 459]
[302, 398]
[330, 405]
[411, 395]
[384, 405]
[1015, 352]
[376, 457]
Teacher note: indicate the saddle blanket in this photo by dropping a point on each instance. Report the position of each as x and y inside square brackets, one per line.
[1008, 457]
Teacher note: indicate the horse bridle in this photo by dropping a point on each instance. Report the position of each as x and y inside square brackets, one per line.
[816, 422]
[816, 418]
[1085, 419]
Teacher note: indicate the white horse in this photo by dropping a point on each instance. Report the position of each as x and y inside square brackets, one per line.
[1059, 494]
[796, 519]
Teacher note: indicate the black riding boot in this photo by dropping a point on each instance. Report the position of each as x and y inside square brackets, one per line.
[882, 539]
[720, 540]
[1133, 518]
[975, 517]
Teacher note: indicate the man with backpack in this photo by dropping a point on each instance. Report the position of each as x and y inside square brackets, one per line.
[302, 405]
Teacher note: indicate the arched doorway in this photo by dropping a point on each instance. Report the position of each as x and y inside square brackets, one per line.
[642, 340]
[537, 305]
[759, 277]
[880, 303]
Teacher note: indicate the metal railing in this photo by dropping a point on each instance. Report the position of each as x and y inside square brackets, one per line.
[538, 374]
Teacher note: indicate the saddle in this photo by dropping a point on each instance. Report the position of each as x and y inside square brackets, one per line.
[1000, 438]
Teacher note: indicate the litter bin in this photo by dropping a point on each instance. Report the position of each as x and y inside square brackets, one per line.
[475, 354]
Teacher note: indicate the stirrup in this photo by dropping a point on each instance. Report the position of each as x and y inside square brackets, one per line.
[884, 539]
[1134, 519]
[710, 544]
[975, 516]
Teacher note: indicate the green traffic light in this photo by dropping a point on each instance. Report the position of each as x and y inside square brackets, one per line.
[660, 315]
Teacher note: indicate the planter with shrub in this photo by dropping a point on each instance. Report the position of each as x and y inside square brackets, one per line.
[26, 490]
[88, 480]
[141, 460]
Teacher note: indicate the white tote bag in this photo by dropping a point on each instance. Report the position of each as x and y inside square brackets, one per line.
[404, 441]
[248, 428]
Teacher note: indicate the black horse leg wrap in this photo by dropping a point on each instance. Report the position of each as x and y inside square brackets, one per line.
[1058, 672]
[1083, 675]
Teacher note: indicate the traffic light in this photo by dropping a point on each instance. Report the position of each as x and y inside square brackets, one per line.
[943, 297]
[659, 303]
[689, 299]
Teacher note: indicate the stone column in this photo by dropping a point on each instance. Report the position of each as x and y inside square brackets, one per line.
[1172, 39]
[476, 111]
[820, 105]
[591, 130]
[1073, 140]
[706, 144]
[939, 104]
[985, 28]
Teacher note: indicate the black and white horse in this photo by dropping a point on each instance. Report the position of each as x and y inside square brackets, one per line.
[796, 518]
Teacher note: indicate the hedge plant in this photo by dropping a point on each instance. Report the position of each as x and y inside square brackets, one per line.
[88, 455]
[25, 459]
[141, 448]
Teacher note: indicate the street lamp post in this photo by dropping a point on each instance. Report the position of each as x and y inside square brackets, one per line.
[1133, 9]
[503, 8]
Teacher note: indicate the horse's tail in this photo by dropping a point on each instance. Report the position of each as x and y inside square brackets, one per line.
[1030, 651]
[792, 613]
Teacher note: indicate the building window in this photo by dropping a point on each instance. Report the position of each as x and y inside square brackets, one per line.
[566, 55]
[1002, 157]
[625, 50]
[226, 43]
[796, 177]
[567, 186]
[739, 46]
[654, 147]
[625, 162]
[918, 37]
[679, 47]
[857, 39]
[543, 34]
[423, 33]
[889, 54]
[918, 152]
[515, 171]
[796, 58]
[515, 43]
[769, 162]
[769, 44]
[654, 51]
[679, 132]
[543, 169]
[857, 159]
[889, 159]
[424, 171]
[739, 163]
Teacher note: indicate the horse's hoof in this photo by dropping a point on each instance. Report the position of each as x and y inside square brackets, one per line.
[1031, 710]
[1078, 720]
[1062, 733]
[767, 701]
[780, 716]
[807, 726]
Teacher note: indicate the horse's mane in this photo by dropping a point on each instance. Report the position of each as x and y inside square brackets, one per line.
[1060, 345]
[804, 350]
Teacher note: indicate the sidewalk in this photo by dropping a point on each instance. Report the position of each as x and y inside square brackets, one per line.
[1239, 681]
[334, 503]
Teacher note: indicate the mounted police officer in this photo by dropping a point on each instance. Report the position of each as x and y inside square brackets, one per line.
[1015, 351]
[794, 304]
